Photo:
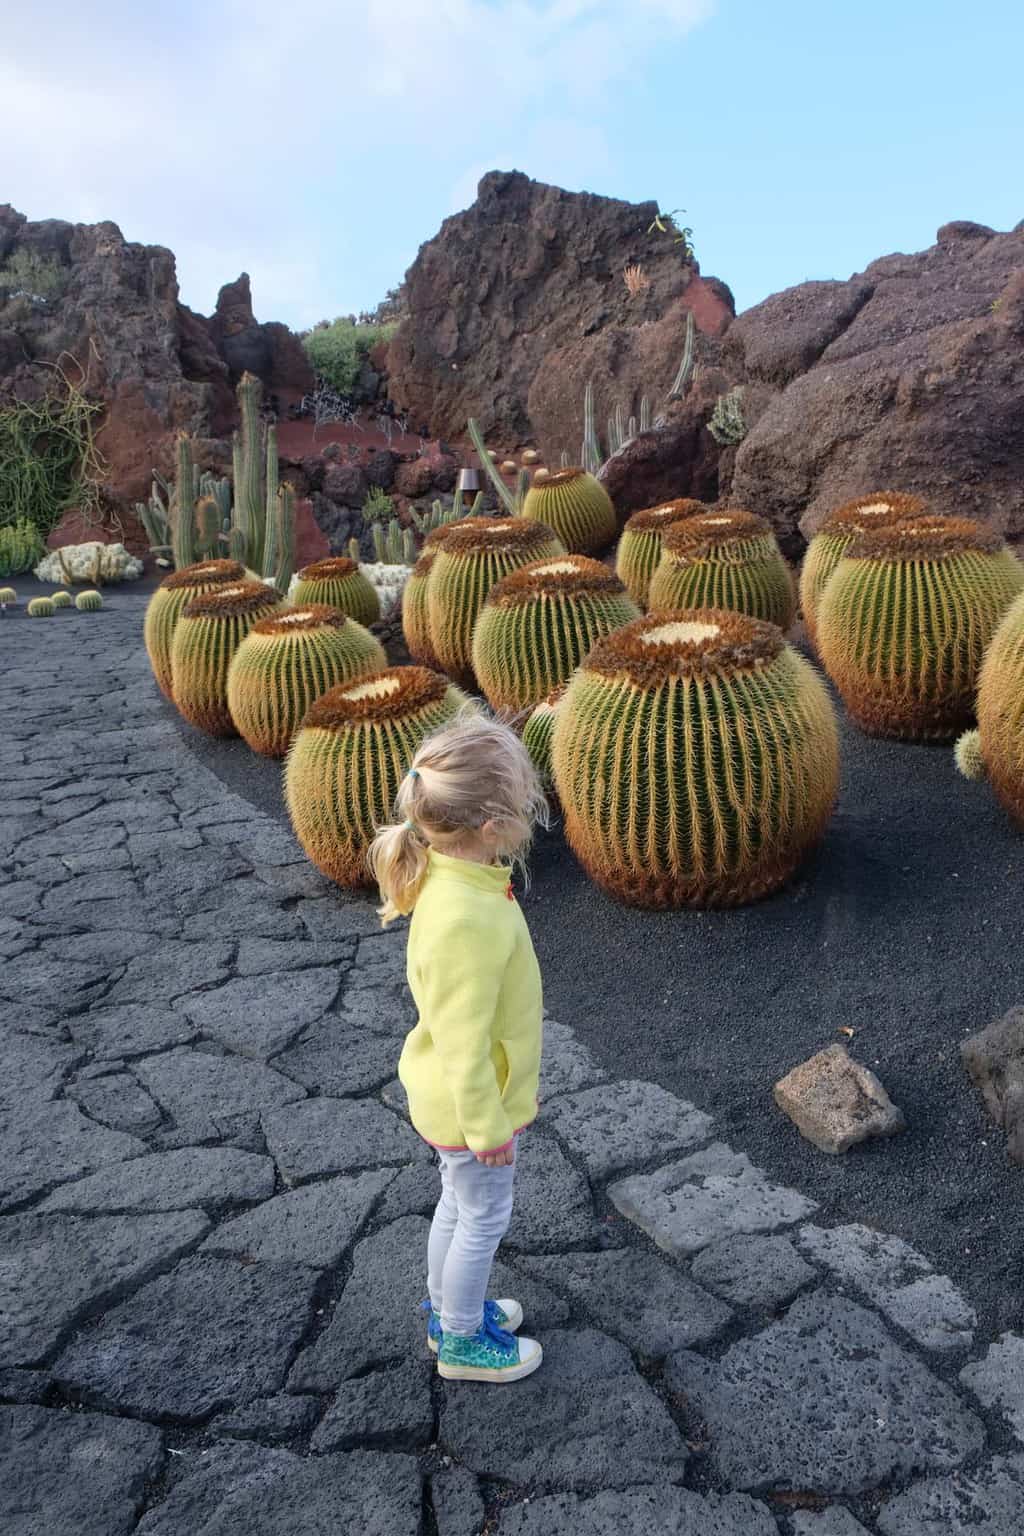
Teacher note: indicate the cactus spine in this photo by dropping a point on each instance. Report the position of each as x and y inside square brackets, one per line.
[697, 760]
[415, 606]
[41, 608]
[576, 507]
[285, 663]
[905, 620]
[208, 634]
[724, 560]
[639, 552]
[538, 624]
[338, 583]
[345, 764]
[996, 749]
[168, 602]
[538, 733]
[88, 602]
[881, 509]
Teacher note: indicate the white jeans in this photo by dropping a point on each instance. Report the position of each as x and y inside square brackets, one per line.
[471, 1219]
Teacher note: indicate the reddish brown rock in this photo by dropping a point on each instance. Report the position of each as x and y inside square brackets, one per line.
[311, 543]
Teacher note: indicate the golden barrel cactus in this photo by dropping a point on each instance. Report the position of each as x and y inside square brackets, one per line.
[538, 624]
[166, 605]
[576, 507]
[337, 583]
[477, 553]
[207, 636]
[696, 757]
[354, 748]
[996, 749]
[639, 552]
[724, 560]
[284, 665]
[905, 621]
[415, 607]
[881, 509]
[538, 732]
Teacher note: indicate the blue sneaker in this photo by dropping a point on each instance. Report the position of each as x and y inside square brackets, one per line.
[490, 1355]
[505, 1314]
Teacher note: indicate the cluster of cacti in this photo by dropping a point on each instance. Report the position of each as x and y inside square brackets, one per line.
[62, 599]
[639, 552]
[879, 510]
[88, 602]
[576, 507]
[345, 764]
[208, 634]
[512, 501]
[394, 545]
[905, 620]
[440, 516]
[168, 603]
[337, 582]
[724, 560]
[7, 596]
[415, 607]
[477, 553]
[285, 663]
[95, 561]
[21, 547]
[727, 425]
[187, 538]
[539, 622]
[41, 608]
[996, 749]
[696, 759]
[622, 431]
[538, 732]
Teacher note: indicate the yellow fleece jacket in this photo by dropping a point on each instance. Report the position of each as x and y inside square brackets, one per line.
[471, 1065]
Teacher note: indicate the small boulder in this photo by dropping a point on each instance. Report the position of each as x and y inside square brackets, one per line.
[835, 1102]
[346, 485]
[995, 1062]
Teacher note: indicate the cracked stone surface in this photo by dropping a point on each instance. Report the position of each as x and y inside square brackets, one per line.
[388, 1408]
[272, 1420]
[458, 1506]
[553, 1206]
[989, 1502]
[209, 1177]
[258, 1016]
[118, 1102]
[203, 1093]
[834, 1521]
[639, 1512]
[313, 1225]
[761, 1272]
[617, 1126]
[84, 1473]
[997, 1381]
[43, 1144]
[335, 1135]
[566, 1065]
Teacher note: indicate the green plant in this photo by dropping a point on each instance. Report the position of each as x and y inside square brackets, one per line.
[41, 608]
[477, 553]
[394, 545]
[880, 509]
[538, 733]
[88, 602]
[209, 632]
[337, 350]
[578, 509]
[285, 663]
[723, 560]
[667, 224]
[512, 501]
[440, 516]
[621, 430]
[539, 622]
[20, 547]
[905, 621]
[169, 601]
[338, 583]
[62, 599]
[8, 596]
[996, 749]
[415, 605]
[727, 425]
[355, 747]
[49, 460]
[968, 755]
[696, 758]
[378, 506]
[639, 549]
[27, 275]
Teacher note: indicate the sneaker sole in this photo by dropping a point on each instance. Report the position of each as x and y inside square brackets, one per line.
[511, 1327]
[507, 1373]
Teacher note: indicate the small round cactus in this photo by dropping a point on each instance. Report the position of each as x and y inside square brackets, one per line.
[696, 758]
[88, 602]
[538, 732]
[477, 553]
[168, 603]
[8, 596]
[576, 507]
[415, 608]
[208, 634]
[339, 583]
[996, 749]
[61, 599]
[354, 747]
[509, 466]
[539, 622]
[286, 662]
[969, 758]
[529, 456]
[541, 475]
[725, 560]
[905, 621]
[639, 552]
[41, 608]
[881, 509]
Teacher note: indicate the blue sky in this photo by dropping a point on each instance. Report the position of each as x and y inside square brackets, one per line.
[317, 146]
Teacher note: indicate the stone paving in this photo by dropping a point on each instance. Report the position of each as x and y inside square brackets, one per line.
[213, 1213]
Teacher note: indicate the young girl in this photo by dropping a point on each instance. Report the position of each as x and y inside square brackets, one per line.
[471, 1065]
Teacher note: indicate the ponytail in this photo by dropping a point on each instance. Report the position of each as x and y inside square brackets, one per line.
[398, 862]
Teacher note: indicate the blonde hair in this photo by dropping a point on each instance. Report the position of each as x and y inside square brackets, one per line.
[471, 772]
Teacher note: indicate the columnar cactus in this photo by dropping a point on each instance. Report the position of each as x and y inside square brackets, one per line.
[41, 608]
[208, 634]
[169, 601]
[338, 583]
[415, 608]
[576, 507]
[286, 662]
[724, 560]
[996, 749]
[539, 622]
[696, 758]
[879, 510]
[639, 552]
[61, 599]
[355, 746]
[905, 620]
[539, 731]
[478, 552]
[88, 602]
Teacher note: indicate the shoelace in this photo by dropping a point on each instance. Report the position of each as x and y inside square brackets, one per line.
[490, 1332]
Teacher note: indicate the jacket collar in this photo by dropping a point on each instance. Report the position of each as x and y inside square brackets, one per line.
[486, 877]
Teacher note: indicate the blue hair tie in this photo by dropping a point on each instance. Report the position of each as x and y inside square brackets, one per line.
[414, 773]
[407, 826]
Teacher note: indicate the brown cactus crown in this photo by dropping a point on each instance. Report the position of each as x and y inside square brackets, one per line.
[204, 573]
[697, 642]
[550, 704]
[439, 535]
[557, 477]
[880, 509]
[664, 514]
[927, 537]
[244, 597]
[481, 535]
[298, 621]
[331, 569]
[557, 576]
[391, 695]
[696, 537]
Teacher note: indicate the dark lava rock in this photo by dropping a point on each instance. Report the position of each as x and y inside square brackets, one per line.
[988, 1502]
[337, 1136]
[753, 1271]
[995, 1060]
[271, 1419]
[386, 1408]
[639, 1512]
[73, 1474]
[210, 1177]
[313, 1225]
[458, 1505]
[46, 1144]
[346, 485]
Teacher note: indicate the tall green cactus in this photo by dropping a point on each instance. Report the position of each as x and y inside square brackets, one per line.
[591, 456]
[183, 531]
[250, 504]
